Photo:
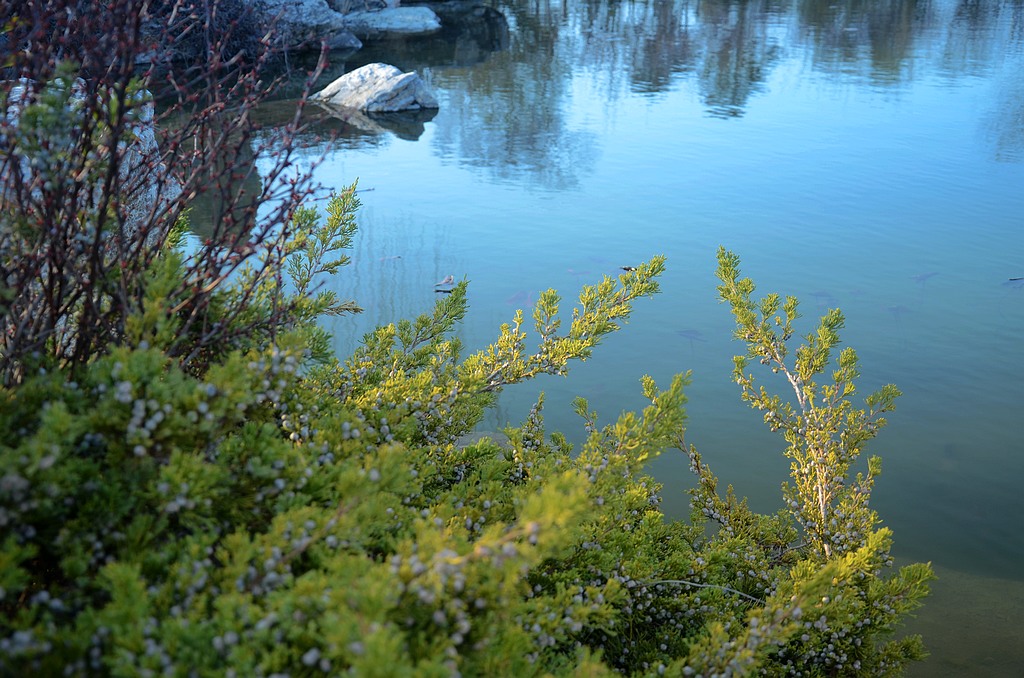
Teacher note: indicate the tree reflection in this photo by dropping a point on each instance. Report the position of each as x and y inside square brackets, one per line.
[645, 44]
[873, 38]
[1005, 123]
[738, 52]
[972, 41]
[512, 73]
[665, 48]
[509, 113]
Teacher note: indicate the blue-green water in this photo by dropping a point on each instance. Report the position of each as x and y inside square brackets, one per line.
[866, 155]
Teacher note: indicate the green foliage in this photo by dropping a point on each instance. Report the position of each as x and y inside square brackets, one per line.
[266, 518]
[825, 433]
[211, 492]
[838, 541]
[306, 255]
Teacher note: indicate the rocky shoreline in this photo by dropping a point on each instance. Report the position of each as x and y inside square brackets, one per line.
[305, 24]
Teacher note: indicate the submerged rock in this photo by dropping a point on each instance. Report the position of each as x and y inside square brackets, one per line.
[343, 41]
[377, 88]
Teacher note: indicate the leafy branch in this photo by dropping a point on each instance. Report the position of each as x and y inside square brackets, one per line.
[602, 308]
[825, 432]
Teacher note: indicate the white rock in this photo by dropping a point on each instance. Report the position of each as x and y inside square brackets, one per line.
[378, 88]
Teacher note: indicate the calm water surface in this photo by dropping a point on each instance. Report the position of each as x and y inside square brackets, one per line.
[865, 155]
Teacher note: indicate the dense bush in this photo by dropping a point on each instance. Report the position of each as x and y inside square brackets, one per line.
[191, 484]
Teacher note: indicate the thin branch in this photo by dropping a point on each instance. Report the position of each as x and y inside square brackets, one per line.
[706, 586]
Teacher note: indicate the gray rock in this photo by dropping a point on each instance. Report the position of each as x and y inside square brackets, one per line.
[305, 22]
[404, 20]
[343, 41]
[142, 174]
[377, 88]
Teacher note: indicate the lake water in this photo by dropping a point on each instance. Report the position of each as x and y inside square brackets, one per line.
[865, 155]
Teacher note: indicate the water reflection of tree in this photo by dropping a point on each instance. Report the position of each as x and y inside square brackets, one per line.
[644, 44]
[738, 52]
[509, 113]
[665, 47]
[1006, 125]
[879, 35]
[972, 45]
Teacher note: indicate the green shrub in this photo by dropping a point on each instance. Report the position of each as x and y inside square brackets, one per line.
[192, 484]
[279, 514]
